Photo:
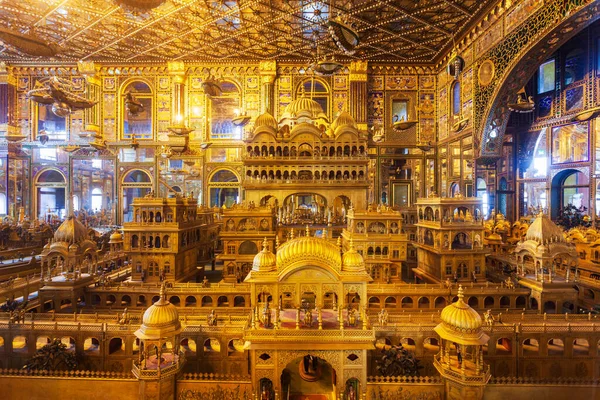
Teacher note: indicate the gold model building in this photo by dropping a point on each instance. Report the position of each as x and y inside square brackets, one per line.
[299, 200]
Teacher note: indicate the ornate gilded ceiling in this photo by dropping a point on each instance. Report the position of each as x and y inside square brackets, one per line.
[409, 31]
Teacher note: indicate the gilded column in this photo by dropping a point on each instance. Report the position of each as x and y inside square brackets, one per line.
[177, 73]
[268, 72]
[89, 70]
[358, 93]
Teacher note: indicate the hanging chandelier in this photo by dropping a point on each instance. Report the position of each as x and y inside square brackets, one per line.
[343, 35]
[326, 67]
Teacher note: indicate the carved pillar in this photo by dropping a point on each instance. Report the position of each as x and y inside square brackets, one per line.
[177, 72]
[358, 93]
[268, 72]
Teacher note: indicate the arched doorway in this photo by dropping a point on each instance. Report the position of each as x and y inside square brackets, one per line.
[224, 188]
[307, 377]
[569, 187]
[50, 193]
[305, 208]
[135, 183]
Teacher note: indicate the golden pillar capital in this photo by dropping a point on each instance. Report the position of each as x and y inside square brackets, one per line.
[268, 68]
[268, 73]
[177, 71]
[358, 71]
[89, 70]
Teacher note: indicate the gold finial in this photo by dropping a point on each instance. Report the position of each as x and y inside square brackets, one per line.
[461, 293]
[307, 231]
[324, 234]
[163, 291]
[292, 233]
[339, 242]
[351, 244]
[265, 245]
[276, 242]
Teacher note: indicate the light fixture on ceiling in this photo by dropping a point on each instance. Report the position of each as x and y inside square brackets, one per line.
[133, 105]
[240, 119]
[523, 104]
[326, 67]
[27, 43]
[343, 35]
[211, 86]
[60, 93]
[139, 5]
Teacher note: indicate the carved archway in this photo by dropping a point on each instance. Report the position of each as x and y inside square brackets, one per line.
[515, 60]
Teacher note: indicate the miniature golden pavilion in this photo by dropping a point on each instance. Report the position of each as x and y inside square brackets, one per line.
[299, 200]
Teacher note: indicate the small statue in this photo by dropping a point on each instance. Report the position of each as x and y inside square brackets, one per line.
[211, 319]
[266, 315]
[351, 316]
[488, 318]
[308, 320]
[124, 317]
[383, 317]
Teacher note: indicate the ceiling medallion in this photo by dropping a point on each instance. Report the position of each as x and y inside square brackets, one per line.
[59, 93]
[28, 44]
[486, 72]
[344, 36]
[523, 104]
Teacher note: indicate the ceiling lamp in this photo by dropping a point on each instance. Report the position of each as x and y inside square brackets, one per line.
[211, 86]
[400, 124]
[456, 65]
[133, 105]
[326, 67]
[240, 119]
[60, 93]
[140, 5]
[343, 35]
[523, 103]
[28, 44]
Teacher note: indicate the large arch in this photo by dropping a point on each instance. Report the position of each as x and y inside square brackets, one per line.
[50, 189]
[515, 60]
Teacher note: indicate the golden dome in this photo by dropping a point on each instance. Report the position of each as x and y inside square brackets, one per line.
[306, 248]
[543, 230]
[352, 260]
[303, 107]
[116, 237]
[344, 119]
[461, 324]
[160, 320]
[71, 231]
[265, 120]
[264, 261]
[494, 237]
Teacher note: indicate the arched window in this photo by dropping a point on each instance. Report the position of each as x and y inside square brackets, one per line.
[456, 106]
[51, 190]
[317, 90]
[483, 194]
[96, 199]
[223, 188]
[137, 121]
[136, 183]
[223, 109]
[570, 187]
[575, 66]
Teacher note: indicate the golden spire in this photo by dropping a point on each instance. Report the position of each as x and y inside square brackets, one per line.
[265, 244]
[276, 242]
[461, 293]
[351, 244]
[163, 291]
[292, 234]
[307, 231]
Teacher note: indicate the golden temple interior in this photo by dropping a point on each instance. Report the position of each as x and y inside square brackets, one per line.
[300, 200]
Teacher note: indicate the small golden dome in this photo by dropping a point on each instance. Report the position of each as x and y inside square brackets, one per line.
[160, 320]
[543, 230]
[265, 120]
[494, 237]
[71, 231]
[461, 324]
[307, 247]
[344, 119]
[116, 237]
[352, 260]
[264, 261]
[303, 107]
